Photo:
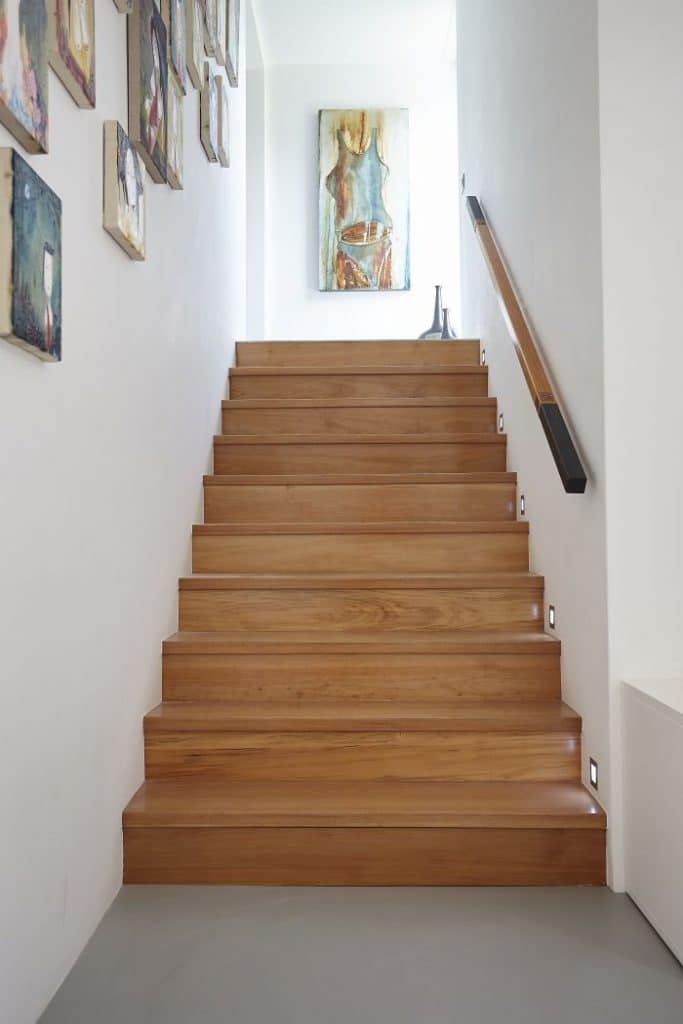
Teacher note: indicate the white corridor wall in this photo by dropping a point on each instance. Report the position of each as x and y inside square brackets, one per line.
[101, 463]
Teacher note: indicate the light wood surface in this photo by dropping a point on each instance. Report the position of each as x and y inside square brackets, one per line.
[356, 353]
[361, 382]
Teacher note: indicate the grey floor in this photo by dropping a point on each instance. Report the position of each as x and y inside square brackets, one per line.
[372, 956]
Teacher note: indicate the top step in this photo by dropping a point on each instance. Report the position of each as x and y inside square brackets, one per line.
[357, 353]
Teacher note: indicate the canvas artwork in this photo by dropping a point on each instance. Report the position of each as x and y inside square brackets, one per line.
[30, 259]
[209, 114]
[195, 41]
[178, 30]
[223, 121]
[176, 139]
[148, 85]
[23, 71]
[124, 191]
[233, 50]
[125, 6]
[210, 26]
[72, 47]
[221, 31]
[364, 200]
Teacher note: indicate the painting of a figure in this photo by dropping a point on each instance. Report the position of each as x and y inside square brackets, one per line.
[148, 85]
[178, 30]
[195, 41]
[72, 47]
[23, 71]
[209, 114]
[124, 191]
[210, 26]
[176, 141]
[223, 121]
[232, 56]
[30, 259]
[364, 200]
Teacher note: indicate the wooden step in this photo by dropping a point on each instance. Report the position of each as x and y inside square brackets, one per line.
[358, 382]
[484, 742]
[361, 547]
[344, 601]
[357, 353]
[391, 453]
[360, 416]
[369, 833]
[399, 497]
[361, 667]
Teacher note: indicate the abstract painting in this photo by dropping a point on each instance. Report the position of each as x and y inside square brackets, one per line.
[178, 31]
[23, 71]
[30, 259]
[176, 139]
[148, 85]
[210, 26]
[223, 121]
[364, 200]
[221, 31]
[195, 41]
[209, 114]
[233, 53]
[72, 47]
[124, 191]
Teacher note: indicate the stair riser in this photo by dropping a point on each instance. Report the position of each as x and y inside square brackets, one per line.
[353, 610]
[457, 457]
[291, 553]
[364, 856]
[291, 677]
[391, 420]
[454, 757]
[370, 503]
[359, 385]
[358, 353]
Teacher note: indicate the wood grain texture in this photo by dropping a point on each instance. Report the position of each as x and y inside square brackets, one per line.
[357, 353]
[249, 382]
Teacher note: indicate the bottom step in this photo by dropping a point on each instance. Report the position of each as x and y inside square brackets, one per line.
[374, 833]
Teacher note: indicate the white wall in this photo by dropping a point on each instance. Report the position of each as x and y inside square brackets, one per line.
[296, 308]
[101, 462]
[529, 146]
[257, 213]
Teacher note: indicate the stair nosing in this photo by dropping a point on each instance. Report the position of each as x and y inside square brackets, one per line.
[351, 528]
[352, 479]
[363, 370]
[515, 580]
[263, 642]
[433, 402]
[364, 439]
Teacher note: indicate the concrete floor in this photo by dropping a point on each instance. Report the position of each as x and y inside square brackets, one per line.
[372, 956]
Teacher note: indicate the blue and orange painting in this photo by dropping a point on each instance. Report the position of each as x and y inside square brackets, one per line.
[30, 259]
[364, 200]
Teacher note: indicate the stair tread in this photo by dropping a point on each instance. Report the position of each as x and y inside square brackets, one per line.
[363, 370]
[364, 716]
[411, 526]
[436, 401]
[378, 439]
[384, 804]
[347, 643]
[363, 581]
[318, 479]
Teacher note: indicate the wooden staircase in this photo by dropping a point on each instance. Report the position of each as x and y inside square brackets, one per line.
[361, 691]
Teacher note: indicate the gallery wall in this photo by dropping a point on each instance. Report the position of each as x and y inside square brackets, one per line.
[530, 149]
[101, 465]
[296, 308]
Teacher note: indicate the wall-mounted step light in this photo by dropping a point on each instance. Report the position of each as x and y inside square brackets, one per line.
[551, 616]
[522, 505]
[483, 357]
[593, 772]
[501, 423]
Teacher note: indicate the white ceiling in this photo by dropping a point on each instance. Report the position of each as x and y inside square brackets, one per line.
[355, 31]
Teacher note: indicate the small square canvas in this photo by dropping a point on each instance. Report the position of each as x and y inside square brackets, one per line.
[210, 26]
[148, 85]
[23, 72]
[176, 138]
[195, 41]
[233, 46]
[178, 32]
[30, 259]
[209, 114]
[221, 31]
[124, 191]
[364, 200]
[72, 47]
[223, 121]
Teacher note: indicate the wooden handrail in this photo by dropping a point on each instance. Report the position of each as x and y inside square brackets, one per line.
[550, 414]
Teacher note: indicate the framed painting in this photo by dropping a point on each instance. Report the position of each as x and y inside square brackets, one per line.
[195, 41]
[72, 47]
[176, 138]
[364, 200]
[210, 8]
[23, 72]
[223, 121]
[148, 85]
[124, 191]
[125, 6]
[233, 41]
[178, 33]
[209, 114]
[30, 259]
[221, 31]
